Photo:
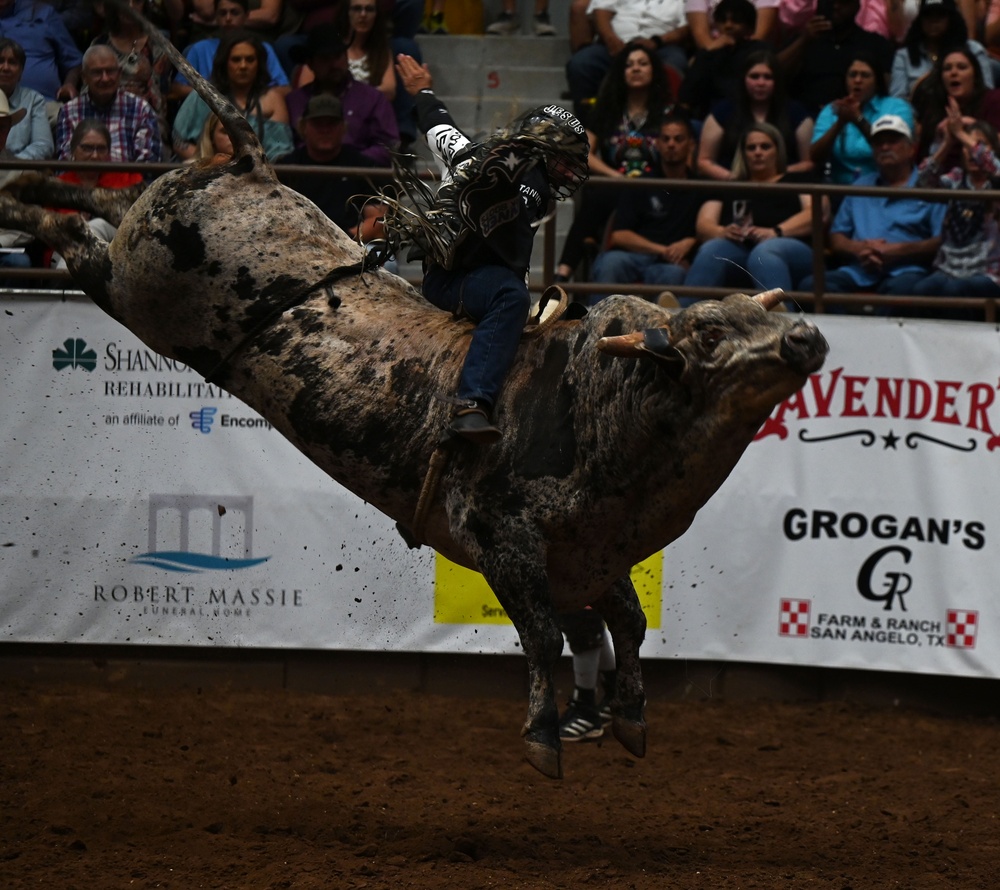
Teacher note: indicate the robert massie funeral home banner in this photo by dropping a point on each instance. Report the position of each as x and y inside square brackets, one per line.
[140, 505]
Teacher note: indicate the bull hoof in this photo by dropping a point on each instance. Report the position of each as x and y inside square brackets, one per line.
[631, 734]
[546, 759]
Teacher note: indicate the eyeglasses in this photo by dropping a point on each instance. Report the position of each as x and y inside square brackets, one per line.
[362, 10]
[91, 149]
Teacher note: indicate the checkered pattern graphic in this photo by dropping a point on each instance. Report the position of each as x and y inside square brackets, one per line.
[794, 618]
[963, 625]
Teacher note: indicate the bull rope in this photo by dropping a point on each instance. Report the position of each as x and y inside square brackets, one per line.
[370, 262]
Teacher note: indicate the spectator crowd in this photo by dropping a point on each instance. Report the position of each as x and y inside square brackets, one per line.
[898, 93]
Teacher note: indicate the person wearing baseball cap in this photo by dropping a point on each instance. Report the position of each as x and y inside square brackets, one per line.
[370, 122]
[321, 129]
[938, 27]
[888, 242]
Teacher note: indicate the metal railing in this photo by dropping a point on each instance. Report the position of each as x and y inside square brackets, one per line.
[817, 299]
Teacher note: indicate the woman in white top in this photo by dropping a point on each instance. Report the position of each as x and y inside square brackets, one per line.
[365, 33]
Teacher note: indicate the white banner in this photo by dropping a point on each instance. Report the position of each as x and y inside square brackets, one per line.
[141, 505]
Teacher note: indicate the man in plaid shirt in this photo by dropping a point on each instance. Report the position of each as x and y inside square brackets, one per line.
[130, 119]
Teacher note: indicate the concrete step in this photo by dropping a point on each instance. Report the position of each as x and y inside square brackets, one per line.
[463, 52]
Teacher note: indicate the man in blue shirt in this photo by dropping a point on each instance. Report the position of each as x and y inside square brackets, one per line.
[887, 242]
[53, 60]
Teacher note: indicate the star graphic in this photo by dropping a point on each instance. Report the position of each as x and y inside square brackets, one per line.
[890, 440]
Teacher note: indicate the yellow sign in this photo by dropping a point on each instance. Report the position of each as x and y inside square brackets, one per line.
[462, 596]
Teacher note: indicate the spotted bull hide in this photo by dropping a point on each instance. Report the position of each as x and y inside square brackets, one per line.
[617, 427]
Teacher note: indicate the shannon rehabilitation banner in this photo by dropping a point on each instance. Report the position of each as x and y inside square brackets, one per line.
[139, 504]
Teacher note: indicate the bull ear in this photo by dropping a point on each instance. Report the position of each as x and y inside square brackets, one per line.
[653, 341]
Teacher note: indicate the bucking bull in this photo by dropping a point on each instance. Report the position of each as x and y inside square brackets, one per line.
[618, 426]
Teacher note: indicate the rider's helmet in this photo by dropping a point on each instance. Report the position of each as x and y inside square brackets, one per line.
[561, 138]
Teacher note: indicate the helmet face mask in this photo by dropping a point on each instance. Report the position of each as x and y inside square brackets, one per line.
[561, 140]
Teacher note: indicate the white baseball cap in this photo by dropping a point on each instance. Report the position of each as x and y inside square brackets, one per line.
[891, 123]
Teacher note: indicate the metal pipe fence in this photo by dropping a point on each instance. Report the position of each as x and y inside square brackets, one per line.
[817, 299]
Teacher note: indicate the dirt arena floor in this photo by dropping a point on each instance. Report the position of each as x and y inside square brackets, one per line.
[176, 789]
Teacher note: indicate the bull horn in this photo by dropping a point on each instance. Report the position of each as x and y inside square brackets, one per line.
[770, 298]
[652, 341]
[623, 346]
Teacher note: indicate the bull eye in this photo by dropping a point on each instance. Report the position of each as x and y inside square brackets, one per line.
[711, 337]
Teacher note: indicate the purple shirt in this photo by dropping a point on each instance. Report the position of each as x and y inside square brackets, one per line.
[49, 49]
[131, 121]
[371, 121]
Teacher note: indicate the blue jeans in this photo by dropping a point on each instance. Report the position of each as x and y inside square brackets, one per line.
[837, 281]
[587, 66]
[941, 284]
[625, 266]
[777, 262]
[497, 300]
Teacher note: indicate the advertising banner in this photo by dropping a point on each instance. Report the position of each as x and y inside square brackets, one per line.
[141, 505]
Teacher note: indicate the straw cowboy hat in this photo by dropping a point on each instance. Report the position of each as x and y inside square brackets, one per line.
[8, 119]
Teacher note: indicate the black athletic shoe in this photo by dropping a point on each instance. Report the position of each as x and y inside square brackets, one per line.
[580, 723]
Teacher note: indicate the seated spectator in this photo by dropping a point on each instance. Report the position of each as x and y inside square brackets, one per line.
[214, 141]
[956, 75]
[968, 263]
[322, 130]
[706, 35]
[840, 138]
[145, 67]
[624, 126]
[816, 61]
[365, 31]
[240, 73]
[12, 240]
[31, 137]
[761, 96]
[887, 242]
[938, 27]
[369, 118]
[659, 26]
[131, 121]
[507, 22]
[761, 243]
[52, 65]
[91, 141]
[653, 233]
[715, 73]
[230, 15]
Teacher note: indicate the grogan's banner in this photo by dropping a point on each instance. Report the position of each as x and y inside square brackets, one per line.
[141, 505]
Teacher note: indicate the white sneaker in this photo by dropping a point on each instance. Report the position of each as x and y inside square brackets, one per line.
[543, 27]
[505, 25]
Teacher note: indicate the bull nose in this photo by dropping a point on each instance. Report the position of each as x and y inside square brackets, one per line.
[804, 348]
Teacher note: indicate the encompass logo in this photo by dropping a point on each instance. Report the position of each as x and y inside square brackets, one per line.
[203, 418]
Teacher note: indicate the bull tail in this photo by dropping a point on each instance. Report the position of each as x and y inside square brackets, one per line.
[241, 134]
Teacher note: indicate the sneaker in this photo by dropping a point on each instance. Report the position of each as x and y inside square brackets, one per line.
[504, 25]
[474, 424]
[543, 27]
[580, 723]
[604, 710]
